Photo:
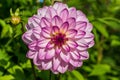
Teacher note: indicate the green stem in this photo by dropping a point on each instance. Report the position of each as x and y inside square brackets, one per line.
[33, 70]
[50, 76]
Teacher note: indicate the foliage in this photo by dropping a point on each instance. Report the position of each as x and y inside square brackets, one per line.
[103, 63]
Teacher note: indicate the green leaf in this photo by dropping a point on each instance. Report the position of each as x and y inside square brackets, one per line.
[1, 73]
[100, 69]
[111, 22]
[7, 77]
[78, 75]
[17, 12]
[115, 43]
[27, 64]
[7, 30]
[101, 28]
[4, 55]
[14, 68]
[11, 12]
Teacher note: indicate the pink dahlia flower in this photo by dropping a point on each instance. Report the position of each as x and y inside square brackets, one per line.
[58, 38]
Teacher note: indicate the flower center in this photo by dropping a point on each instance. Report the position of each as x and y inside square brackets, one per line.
[59, 39]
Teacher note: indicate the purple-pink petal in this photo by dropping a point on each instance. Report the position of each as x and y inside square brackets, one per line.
[31, 54]
[45, 22]
[50, 54]
[72, 12]
[64, 27]
[66, 48]
[26, 37]
[71, 33]
[46, 32]
[84, 55]
[65, 56]
[46, 65]
[72, 22]
[62, 68]
[80, 35]
[72, 44]
[64, 14]
[80, 25]
[41, 54]
[56, 21]
[55, 29]
[50, 13]
[43, 43]
[57, 50]
[56, 62]
[42, 11]
[36, 60]
[49, 45]
[59, 7]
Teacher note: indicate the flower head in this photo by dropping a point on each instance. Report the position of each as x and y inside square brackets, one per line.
[58, 38]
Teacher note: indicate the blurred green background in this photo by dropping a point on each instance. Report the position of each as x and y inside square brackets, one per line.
[104, 61]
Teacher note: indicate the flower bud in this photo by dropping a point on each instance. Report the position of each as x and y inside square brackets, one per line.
[15, 20]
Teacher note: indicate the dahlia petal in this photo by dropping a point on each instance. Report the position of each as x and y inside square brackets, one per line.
[44, 22]
[43, 43]
[64, 14]
[56, 21]
[80, 25]
[90, 44]
[82, 48]
[72, 22]
[80, 13]
[55, 29]
[32, 22]
[51, 12]
[72, 44]
[59, 7]
[36, 60]
[62, 68]
[89, 27]
[42, 11]
[49, 45]
[72, 12]
[82, 45]
[80, 35]
[36, 32]
[84, 55]
[64, 27]
[89, 37]
[66, 48]
[26, 37]
[57, 50]
[56, 63]
[41, 54]
[46, 32]
[50, 54]
[46, 65]
[71, 33]
[81, 16]
[30, 54]
[27, 26]
[65, 56]
[76, 63]
[75, 55]
[32, 45]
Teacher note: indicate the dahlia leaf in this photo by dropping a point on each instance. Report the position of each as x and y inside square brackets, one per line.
[78, 75]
